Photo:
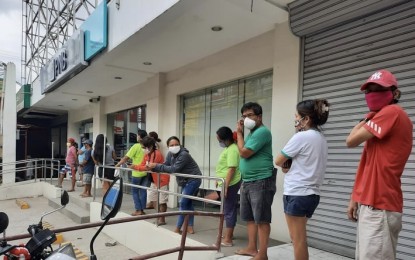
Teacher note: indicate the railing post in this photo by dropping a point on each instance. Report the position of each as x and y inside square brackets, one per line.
[184, 235]
[35, 170]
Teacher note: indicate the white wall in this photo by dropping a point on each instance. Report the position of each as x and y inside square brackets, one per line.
[131, 17]
[36, 92]
[29, 188]
[247, 58]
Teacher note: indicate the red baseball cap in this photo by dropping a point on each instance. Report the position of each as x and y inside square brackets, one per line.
[383, 78]
[71, 140]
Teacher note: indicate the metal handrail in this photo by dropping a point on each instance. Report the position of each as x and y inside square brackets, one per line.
[180, 249]
[222, 180]
[36, 164]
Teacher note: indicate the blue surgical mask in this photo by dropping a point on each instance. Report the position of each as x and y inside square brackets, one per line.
[222, 144]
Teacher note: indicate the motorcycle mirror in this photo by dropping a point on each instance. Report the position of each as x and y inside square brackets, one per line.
[112, 200]
[64, 198]
[4, 221]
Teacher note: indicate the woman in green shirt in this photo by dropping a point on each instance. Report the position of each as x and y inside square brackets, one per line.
[136, 155]
[227, 167]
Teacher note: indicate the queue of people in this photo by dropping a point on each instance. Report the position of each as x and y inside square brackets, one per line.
[247, 166]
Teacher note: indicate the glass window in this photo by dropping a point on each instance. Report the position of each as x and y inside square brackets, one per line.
[205, 111]
[125, 126]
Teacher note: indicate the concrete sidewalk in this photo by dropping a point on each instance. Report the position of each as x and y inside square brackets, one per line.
[206, 229]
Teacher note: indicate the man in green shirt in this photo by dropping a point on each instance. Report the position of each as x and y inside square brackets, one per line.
[258, 179]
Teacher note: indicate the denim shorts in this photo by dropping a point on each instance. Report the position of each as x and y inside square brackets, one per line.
[300, 206]
[256, 199]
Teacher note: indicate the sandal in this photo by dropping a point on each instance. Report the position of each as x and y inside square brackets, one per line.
[226, 244]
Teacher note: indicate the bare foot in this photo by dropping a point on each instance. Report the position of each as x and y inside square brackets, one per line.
[177, 230]
[260, 257]
[247, 252]
[190, 230]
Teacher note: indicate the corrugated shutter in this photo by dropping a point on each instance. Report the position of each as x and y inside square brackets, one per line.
[336, 62]
[311, 16]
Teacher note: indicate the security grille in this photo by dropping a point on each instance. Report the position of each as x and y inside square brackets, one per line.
[336, 62]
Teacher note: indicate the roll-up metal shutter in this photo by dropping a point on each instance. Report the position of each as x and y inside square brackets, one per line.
[311, 16]
[336, 62]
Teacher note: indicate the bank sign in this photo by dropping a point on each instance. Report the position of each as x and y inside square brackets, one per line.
[65, 64]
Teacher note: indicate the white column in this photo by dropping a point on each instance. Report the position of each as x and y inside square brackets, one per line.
[9, 125]
[99, 119]
[284, 101]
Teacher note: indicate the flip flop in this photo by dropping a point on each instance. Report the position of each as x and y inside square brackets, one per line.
[242, 252]
[161, 223]
[71, 190]
[224, 244]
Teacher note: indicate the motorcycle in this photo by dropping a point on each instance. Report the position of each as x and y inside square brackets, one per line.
[40, 244]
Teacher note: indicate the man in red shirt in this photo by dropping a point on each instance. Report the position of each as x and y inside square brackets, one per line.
[377, 201]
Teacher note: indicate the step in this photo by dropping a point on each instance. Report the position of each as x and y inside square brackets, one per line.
[74, 212]
[75, 199]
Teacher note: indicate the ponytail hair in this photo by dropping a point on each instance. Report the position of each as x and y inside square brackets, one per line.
[316, 109]
[155, 136]
[225, 134]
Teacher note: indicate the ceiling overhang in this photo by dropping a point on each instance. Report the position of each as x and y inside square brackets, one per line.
[179, 36]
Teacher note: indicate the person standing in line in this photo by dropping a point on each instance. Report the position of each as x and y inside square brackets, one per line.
[228, 168]
[88, 166]
[104, 154]
[258, 179]
[155, 136]
[179, 160]
[80, 153]
[376, 202]
[304, 160]
[71, 163]
[136, 154]
[153, 155]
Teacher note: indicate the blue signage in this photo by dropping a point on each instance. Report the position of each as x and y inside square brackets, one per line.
[96, 31]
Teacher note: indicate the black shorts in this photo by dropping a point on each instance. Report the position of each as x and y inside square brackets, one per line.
[108, 173]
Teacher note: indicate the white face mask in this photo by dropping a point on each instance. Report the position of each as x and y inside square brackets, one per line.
[146, 151]
[249, 123]
[174, 149]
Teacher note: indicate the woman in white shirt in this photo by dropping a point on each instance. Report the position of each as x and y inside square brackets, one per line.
[304, 160]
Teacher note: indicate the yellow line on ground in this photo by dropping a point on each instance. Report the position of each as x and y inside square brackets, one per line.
[22, 204]
[78, 253]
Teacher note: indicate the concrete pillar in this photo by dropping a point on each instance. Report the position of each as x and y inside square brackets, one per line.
[284, 100]
[99, 119]
[9, 125]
